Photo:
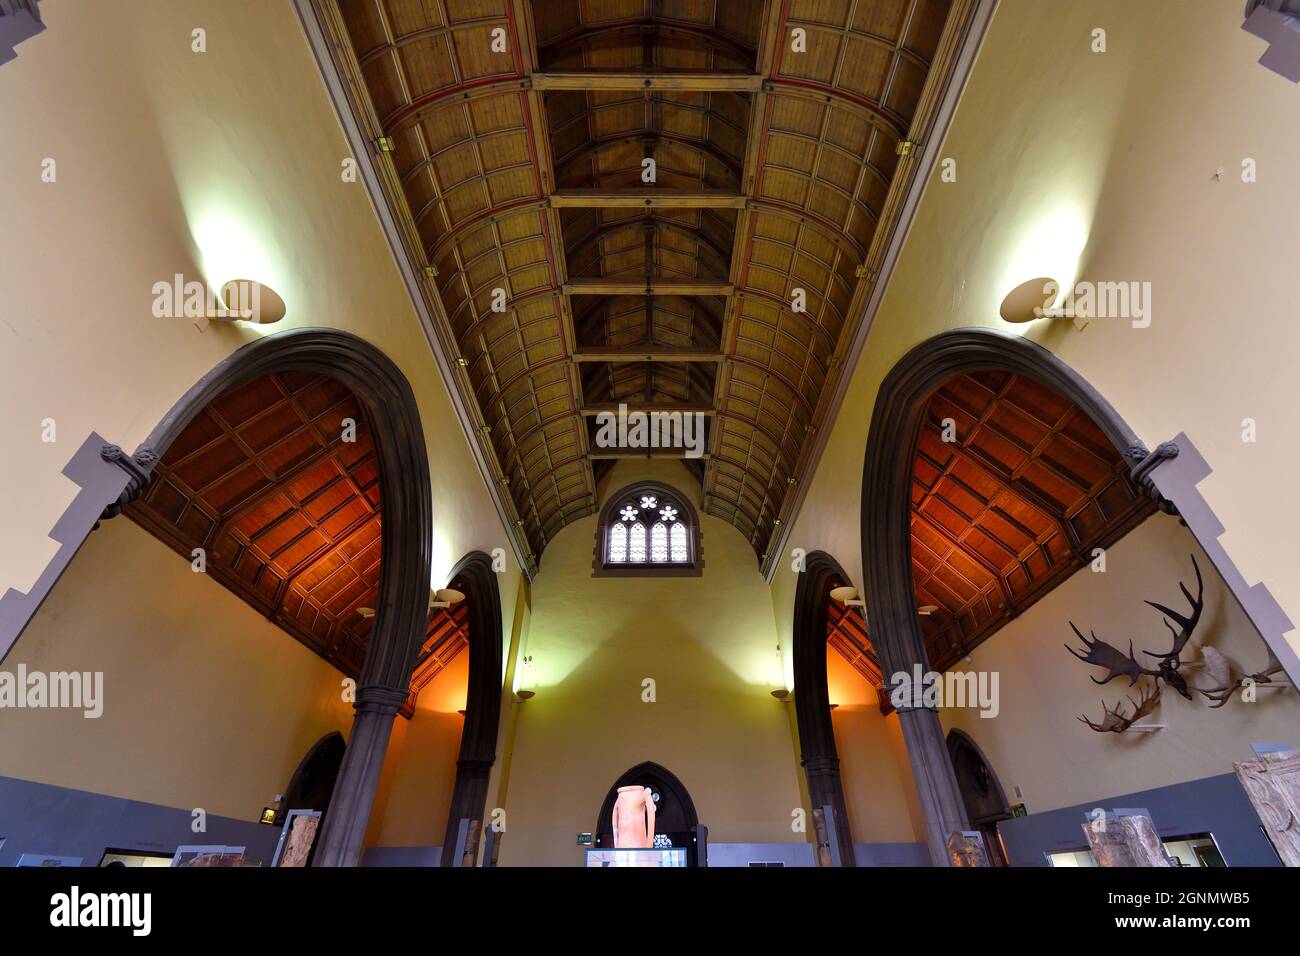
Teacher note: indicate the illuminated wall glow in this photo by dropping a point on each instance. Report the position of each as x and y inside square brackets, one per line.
[1051, 246]
[447, 691]
[229, 249]
[441, 560]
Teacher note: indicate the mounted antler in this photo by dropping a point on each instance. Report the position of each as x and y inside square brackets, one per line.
[1169, 662]
[1223, 675]
[1119, 664]
[1113, 719]
[1272, 667]
[1116, 662]
[1219, 669]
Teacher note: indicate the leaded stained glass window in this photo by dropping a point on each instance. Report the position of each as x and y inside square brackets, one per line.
[648, 528]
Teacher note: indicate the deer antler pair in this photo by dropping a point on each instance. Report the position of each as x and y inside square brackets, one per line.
[1113, 719]
[1119, 664]
[1222, 673]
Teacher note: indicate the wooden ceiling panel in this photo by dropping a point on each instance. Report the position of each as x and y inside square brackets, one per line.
[1009, 506]
[276, 498]
[277, 481]
[846, 634]
[774, 172]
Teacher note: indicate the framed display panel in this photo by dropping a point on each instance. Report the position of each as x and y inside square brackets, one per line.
[297, 838]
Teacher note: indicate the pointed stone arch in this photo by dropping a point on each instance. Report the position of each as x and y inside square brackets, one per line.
[818, 753]
[478, 741]
[675, 810]
[406, 510]
[885, 524]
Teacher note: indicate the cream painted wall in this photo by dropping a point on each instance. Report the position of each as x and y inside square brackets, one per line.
[878, 789]
[709, 644]
[1102, 166]
[213, 165]
[419, 772]
[1036, 743]
[210, 711]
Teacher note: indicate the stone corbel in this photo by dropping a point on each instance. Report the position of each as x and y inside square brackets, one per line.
[1144, 462]
[139, 469]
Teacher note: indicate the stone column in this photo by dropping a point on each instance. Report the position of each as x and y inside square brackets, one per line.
[825, 788]
[342, 836]
[468, 800]
[936, 784]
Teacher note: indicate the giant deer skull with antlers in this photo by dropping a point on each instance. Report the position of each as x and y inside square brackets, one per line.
[1119, 664]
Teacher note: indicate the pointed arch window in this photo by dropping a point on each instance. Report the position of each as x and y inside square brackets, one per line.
[650, 530]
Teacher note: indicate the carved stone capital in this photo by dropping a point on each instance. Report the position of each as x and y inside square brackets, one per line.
[821, 764]
[139, 469]
[378, 699]
[911, 707]
[472, 767]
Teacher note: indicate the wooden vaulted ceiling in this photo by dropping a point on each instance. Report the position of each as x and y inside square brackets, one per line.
[510, 137]
[1007, 508]
[1013, 487]
[277, 482]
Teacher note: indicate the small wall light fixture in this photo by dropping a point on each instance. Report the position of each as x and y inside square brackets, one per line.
[249, 301]
[925, 610]
[848, 596]
[782, 694]
[521, 693]
[1027, 301]
[444, 598]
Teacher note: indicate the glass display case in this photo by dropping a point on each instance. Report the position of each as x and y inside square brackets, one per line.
[656, 856]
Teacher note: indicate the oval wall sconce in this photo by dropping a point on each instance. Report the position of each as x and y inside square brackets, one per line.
[1026, 302]
[249, 301]
[444, 597]
[846, 595]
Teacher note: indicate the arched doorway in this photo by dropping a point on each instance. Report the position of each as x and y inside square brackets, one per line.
[395, 583]
[981, 793]
[474, 577]
[889, 492]
[312, 783]
[675, 816]
[812, 704]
